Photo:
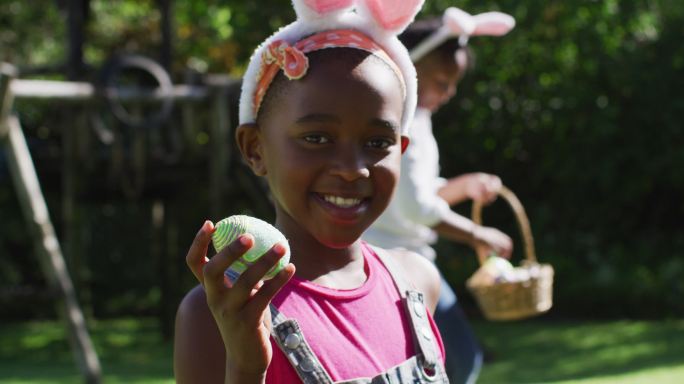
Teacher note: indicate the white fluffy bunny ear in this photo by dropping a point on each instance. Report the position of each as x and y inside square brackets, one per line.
[493, 24]
[316, 9]
[391, 16]
[459, 22]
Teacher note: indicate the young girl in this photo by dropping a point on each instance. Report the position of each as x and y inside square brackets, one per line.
[325, 106]
[420, 210]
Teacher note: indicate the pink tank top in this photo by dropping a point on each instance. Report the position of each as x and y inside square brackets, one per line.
[354, 333]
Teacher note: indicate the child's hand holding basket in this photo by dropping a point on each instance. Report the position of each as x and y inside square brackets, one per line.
[505, 292]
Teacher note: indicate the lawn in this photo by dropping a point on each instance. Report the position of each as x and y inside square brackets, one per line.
[622, 352]
[132, 351]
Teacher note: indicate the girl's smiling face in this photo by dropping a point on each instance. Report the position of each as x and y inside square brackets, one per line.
[330, 146]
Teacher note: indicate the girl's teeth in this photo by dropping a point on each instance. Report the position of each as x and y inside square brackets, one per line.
[341, 201]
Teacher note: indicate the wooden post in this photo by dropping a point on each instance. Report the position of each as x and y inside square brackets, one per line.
[76, 15]
[81, 268]
[69, 201]
[77, 11]
[166, 27]
[46, 242]
[173, 260]
[159, 253]
[7, 73]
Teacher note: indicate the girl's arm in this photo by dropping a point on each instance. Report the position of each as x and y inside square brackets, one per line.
[471, 186]
[242, 322]
[484, 239]
[199, 354]
[421, 201]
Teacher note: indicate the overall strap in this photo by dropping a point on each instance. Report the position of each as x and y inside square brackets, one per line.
[403, 285]
[414, 302]
[290, 339]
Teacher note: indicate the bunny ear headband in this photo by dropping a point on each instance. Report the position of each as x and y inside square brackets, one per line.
[369, 25]
[458, 23]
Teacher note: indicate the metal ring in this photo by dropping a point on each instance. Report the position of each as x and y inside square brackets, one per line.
[110, 76]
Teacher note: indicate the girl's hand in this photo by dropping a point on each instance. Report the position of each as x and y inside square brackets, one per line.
[240, 309]
[487, 240]
[482, 187]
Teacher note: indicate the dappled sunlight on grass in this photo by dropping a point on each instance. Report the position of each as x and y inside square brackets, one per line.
[534, 351]
[648, 376]
[132, 351]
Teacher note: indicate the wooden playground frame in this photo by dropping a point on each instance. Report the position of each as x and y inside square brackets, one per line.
[34, 208]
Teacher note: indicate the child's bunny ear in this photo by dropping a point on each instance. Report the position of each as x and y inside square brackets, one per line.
[493, 24]
[392, 15]
[459, 22]
[312, 9]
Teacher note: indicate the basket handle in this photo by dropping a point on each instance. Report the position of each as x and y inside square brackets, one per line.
[521, 218]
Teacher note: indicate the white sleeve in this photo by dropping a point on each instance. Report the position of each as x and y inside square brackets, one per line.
[417, 192]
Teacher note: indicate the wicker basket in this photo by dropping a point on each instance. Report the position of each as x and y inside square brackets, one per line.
[514, 300]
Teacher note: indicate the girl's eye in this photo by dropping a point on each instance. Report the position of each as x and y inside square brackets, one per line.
[316, 139]
[380, 143]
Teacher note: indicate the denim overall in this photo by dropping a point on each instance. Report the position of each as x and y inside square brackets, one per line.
[424, 367]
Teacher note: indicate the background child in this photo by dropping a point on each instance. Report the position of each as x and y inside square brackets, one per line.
[420, 210]
[324, 110]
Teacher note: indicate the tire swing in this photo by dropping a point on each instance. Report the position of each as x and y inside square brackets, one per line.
[139, 80]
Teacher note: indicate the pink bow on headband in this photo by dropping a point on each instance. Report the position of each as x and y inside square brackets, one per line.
[291, 60]
[390, 15]
[294, 63]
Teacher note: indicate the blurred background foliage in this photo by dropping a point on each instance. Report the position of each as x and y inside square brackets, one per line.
[578, 109]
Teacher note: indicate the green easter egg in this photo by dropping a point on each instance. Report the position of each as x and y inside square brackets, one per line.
[265, 236]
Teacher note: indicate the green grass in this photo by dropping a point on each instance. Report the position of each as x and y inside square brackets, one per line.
[593, 352]
[132, 351]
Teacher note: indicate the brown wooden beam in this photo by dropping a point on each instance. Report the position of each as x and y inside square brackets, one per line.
[46, 243]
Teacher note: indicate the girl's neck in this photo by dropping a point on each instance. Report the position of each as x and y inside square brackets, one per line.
[340, 268]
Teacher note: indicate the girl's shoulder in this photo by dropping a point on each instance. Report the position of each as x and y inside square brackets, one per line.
[420, 272]
[198, 347]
